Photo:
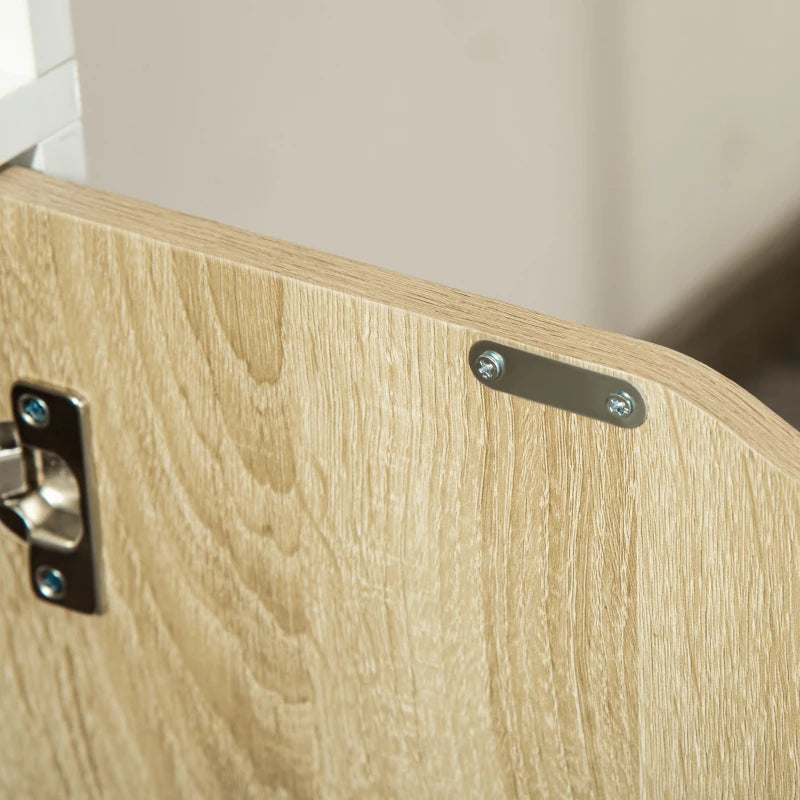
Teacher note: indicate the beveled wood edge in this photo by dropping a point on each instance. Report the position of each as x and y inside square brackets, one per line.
[742, 413]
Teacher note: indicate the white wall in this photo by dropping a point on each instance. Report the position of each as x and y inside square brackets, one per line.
[713, 129]
[593, 161]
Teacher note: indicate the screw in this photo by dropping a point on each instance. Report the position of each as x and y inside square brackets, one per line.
[50, 582]
[34, 410]
[620, 404]
[489, 365]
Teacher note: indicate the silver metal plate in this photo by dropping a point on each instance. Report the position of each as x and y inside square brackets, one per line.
[64, 551]
[555, 383]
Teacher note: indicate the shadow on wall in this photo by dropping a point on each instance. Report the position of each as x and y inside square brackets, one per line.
[746, 324]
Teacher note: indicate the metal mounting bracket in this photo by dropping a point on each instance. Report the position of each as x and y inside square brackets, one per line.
[46, 493]
[557, 384]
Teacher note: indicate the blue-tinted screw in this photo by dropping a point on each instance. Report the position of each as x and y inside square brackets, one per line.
[50, 582]
[620, 405]
[34, 410]
[489, 365]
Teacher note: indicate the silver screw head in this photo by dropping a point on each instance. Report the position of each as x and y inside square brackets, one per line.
[489, 365]
[50, 582]
[34, 410]
[620, 404]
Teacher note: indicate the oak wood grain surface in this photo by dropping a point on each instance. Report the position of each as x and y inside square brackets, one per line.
[337, 566]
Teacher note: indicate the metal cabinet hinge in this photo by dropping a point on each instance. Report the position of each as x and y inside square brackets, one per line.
[46, 493]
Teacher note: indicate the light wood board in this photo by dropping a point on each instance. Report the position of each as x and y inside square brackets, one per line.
[337, 566]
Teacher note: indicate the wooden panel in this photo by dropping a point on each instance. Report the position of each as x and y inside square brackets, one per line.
[337, 566]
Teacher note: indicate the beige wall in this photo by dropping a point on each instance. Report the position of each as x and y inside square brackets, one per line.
[713, 128]
[593, 163]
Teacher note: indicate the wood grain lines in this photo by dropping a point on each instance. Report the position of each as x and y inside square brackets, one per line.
[339, 567]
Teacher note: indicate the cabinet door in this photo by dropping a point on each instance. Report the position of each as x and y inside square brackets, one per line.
[337, 565]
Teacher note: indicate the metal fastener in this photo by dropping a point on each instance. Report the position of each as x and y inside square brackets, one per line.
[34, 410]
[489, 365]
[620, 404]
[50, 582]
